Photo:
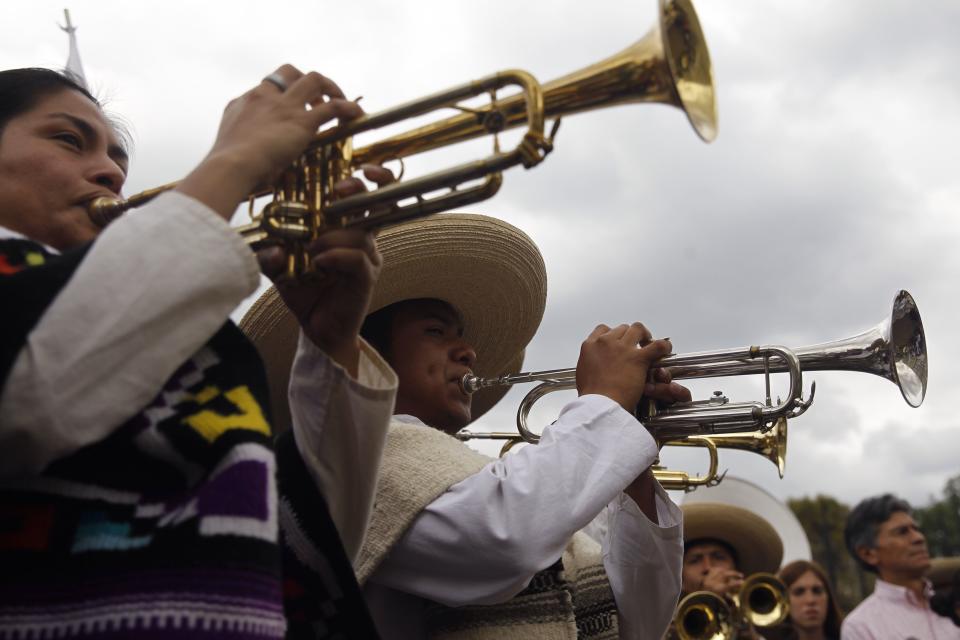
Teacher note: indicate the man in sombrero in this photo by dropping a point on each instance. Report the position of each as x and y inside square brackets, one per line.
[460, 545]
[723, 545]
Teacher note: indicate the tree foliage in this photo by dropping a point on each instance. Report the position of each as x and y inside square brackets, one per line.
[940, 521]
[823, 519]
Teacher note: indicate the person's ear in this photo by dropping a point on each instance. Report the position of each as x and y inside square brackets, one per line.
[868, 554]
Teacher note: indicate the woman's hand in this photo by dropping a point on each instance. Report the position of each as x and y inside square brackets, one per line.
[262, 132]
[331, 302]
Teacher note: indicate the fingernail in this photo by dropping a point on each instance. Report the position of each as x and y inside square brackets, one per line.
[649, 387]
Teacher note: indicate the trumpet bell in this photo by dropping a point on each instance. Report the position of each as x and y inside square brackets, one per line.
[908, 349]
[703, 615]
[669, 65]
[771, 444]
[763, 600]
[895, 349]
[689, 60]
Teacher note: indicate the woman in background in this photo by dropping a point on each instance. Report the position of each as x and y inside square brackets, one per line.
[814, 614]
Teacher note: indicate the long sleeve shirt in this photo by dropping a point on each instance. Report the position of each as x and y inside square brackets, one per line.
[131, 420]
[92, 360]
[893, 612]
[483, 540]
[340, 426]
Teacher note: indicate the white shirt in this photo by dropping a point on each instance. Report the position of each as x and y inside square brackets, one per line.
[154, 287]
[483, 540]
[344, 458]
[150, 292]
[893, 612]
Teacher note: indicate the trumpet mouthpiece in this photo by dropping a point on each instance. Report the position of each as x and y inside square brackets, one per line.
[470, 383]
[104, 210]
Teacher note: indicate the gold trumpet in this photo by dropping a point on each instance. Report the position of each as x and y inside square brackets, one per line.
[670, 65]
[895, 349]
[771, 444]
[703, 615]
[668, 478]
[683, 481]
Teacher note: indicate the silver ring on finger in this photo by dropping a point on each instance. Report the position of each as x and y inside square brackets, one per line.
[276, 80]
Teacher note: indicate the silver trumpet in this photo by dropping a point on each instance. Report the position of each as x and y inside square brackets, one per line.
[894, 349]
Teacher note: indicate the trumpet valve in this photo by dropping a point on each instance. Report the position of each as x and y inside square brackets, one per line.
[288, 220]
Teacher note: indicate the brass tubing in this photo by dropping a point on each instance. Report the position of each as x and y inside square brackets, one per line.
[669, 65]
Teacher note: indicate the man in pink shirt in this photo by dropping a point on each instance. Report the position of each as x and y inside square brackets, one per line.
[883, 538]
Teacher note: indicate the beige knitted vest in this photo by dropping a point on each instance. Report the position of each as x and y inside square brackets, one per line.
[571, 599]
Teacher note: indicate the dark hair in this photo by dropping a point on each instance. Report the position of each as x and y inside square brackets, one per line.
[792, 572]
[864, 521]
[377, 327]
[22, 89]
[687, 544]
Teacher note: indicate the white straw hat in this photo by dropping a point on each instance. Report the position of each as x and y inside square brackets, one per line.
[753, 539]
[488, 270]
[943, 571]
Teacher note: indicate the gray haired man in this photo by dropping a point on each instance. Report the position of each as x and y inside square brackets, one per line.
[883, 538]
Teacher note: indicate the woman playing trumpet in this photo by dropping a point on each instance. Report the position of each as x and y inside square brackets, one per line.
[138, 470]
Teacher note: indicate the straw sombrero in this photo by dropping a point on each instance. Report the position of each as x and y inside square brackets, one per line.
[488, 270]
[943, 570]
[755, 541]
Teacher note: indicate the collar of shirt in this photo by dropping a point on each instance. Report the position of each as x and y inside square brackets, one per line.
[10, 234]
[889, 591]
[408, 419]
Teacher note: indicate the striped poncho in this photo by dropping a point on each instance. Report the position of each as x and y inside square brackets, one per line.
[170, 526]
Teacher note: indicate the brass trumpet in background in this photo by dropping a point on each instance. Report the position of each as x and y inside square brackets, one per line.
[703, 615]
[771, 444]
[894, 349]
[669, 65]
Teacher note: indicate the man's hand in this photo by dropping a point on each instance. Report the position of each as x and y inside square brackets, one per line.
[615, 363]
[722, 581]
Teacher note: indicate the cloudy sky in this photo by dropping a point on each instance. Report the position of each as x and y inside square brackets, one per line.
[831, 186]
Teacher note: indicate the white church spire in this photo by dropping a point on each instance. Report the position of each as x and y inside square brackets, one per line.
[74, 65]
